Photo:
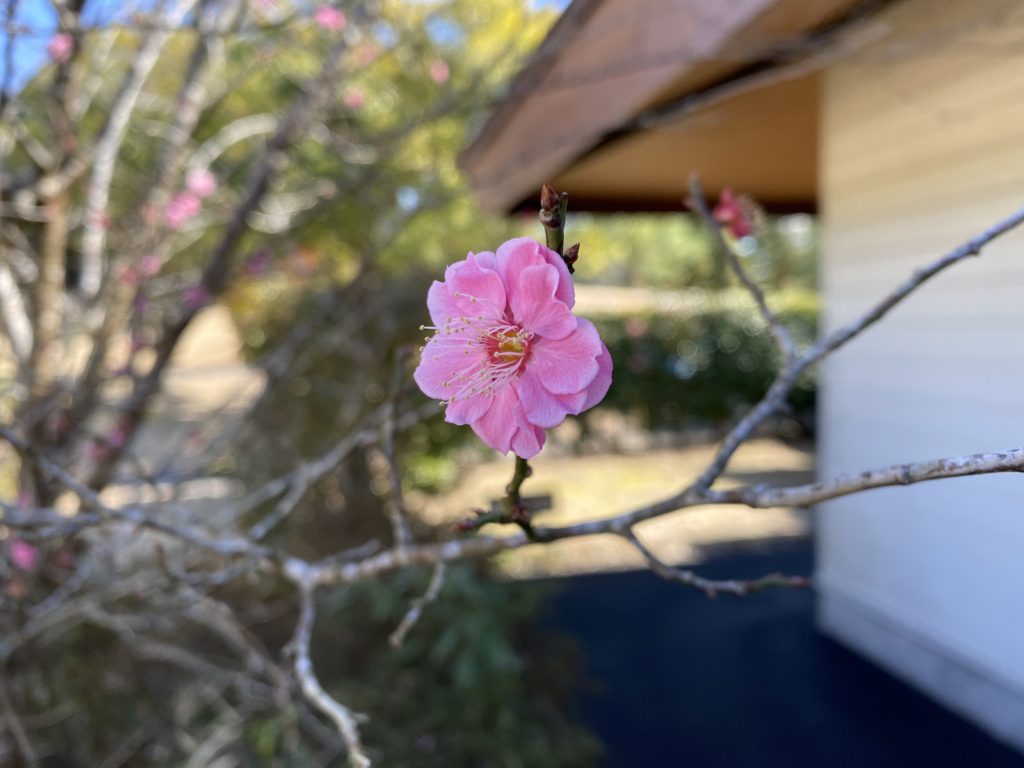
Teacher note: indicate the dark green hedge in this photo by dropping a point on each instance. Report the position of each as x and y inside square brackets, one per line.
[705, 362]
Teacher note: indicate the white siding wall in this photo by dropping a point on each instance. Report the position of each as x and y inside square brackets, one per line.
[923, 146]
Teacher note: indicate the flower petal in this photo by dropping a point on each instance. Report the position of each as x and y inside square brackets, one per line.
[598, 388]
[469, 289]
[516, 255]
[534, 305]
[439, 364]
[486, 260]
[498, 425]
[528, 440]
[466, 410]
[569, 365]
[541, 408]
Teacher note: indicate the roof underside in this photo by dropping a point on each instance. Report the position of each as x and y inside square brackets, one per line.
[627, 97]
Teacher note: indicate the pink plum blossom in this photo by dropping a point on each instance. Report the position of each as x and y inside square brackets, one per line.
[200, 182]
[353, 98]
[24, 555]
[439, 70]
[507, 356]
[184, 207]
[60, 47]
[730, 214]
[330, 18]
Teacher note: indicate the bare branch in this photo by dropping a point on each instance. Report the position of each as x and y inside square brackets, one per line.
[412, 616]
[14, 315]
[898, 474]
[778, 330]
[972, 247]
[217, 271]
[307, 474]
[711, 587]
[791, 372]
[13, 724]
[109, 144]
[344, 720]
[399, 521]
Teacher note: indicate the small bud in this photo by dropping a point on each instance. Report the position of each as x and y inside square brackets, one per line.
[571, 254]
[730, 214]
[548, 197]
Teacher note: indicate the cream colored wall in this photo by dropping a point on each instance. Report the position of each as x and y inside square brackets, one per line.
[922, 147]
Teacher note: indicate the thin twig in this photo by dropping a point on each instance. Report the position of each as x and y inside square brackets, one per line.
[400, 529]
[711, 587]
[776, 327]
[412, 616]
[13, 724]
[307, 474]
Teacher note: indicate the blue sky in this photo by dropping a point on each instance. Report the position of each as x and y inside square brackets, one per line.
[40, 22]
[30, 45]
[38, 18]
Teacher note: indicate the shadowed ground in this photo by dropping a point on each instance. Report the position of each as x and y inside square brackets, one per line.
[682, 680]
[595, 486]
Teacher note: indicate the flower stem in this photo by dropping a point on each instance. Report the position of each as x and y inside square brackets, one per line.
[513, 498]
[553, 207]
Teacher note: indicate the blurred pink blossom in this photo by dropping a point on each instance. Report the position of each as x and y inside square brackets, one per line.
[184, 206]
[730, 214]
[129, 275]
[116, 437]
[149, 265]
[353, 98]
[24, 555]
[330, 18]
[201, 182]
[439, 70]
[636, 327]
[258, 262]
[195, 296]
[60, 47]
[366, 53]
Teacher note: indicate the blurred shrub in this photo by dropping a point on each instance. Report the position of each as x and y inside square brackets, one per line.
[706, 363]
[474, 684]
[671, 250]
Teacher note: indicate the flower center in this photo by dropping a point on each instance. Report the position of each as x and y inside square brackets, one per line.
[493, 353]
[511, 346]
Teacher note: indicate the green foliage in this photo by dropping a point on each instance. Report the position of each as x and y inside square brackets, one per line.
[672, 250]
[473, 685]
[703, 364]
